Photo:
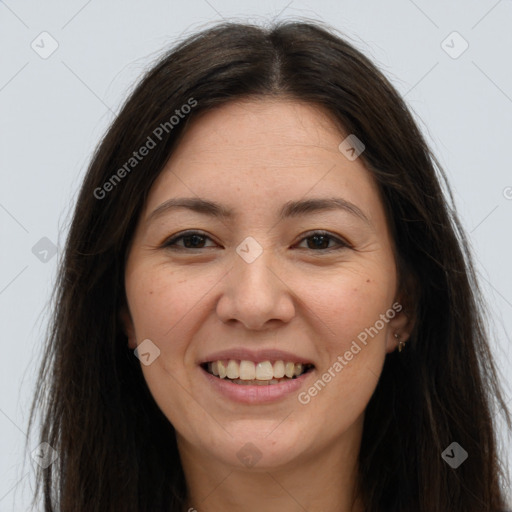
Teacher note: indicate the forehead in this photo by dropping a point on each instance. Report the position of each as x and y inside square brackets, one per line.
[245, 127]
[259, 151]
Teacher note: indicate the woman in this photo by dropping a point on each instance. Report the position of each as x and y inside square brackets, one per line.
[266, 302]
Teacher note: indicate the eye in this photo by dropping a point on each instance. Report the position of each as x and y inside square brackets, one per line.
[191, 240]
[320, 241]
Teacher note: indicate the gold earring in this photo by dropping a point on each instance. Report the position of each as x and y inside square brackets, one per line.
[401, 344]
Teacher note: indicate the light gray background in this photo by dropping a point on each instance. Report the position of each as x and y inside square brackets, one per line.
[54, 111]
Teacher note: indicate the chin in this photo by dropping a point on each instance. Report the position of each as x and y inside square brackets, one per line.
[260, 444]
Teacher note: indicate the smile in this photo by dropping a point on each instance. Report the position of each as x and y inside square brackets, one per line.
[261, 373]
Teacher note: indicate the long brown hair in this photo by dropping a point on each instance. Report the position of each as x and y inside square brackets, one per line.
[117, 451]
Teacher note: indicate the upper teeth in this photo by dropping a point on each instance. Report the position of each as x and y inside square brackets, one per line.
[247, 370]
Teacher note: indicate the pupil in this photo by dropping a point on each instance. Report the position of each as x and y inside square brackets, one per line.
[320, 241]
[320, 245]
[195, 238]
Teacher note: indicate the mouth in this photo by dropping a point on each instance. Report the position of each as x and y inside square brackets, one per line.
[251, 373]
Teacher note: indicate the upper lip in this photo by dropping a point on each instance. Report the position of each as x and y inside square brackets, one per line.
[243, 354]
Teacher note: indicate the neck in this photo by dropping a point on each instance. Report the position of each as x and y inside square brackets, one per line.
[323, 482]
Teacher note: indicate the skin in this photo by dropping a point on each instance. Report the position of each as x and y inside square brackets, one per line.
[253, 156]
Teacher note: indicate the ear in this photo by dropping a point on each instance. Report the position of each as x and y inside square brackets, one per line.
[405, 317]
[402, 324]
[127, 326]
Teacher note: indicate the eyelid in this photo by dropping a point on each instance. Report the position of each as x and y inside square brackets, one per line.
[167, 243]
[340, 241]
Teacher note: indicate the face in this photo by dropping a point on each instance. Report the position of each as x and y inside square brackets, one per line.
[280, 252]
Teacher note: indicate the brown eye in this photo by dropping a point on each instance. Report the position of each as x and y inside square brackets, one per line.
[190, 239]
[320, 240]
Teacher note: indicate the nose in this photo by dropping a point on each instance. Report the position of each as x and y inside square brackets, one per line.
[255, 295]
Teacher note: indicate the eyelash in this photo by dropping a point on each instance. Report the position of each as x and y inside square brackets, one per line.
[170, 243]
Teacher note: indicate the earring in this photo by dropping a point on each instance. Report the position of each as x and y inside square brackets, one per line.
[401, 344]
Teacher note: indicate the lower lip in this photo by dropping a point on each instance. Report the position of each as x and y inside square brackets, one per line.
[256, 394]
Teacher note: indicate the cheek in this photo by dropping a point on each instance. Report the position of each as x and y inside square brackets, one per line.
[353, 353]
[159, 299]
[350, 302]
[162, 304]
[350, 312]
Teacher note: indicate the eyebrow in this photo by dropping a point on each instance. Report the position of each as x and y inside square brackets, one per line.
[290, 208]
